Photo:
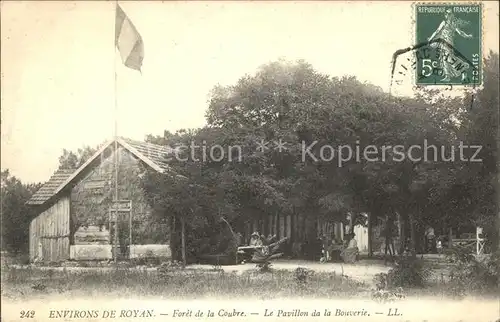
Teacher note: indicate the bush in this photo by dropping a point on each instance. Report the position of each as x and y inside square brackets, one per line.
[302, 275]
[166, 268]
[408, 272]
[17, 258]
[384, 296]
[149, 260]
[470, 273]
[494, 264]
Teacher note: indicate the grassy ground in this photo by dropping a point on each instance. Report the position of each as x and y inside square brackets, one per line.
[23, 283]
[241, 287]
[197, 281]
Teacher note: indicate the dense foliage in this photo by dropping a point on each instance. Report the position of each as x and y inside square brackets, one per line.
[408, 272]
[471, 274]
[16, 215]
[73, 160]
[304, 108]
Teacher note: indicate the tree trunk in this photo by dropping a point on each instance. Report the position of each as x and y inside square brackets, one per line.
[311, 234]
[389, 244]
[450, 238]
[171, 222]
[402, 233]
[370, 232]
[265, 225]
[183, 242]
[310, 228]
[423, 242]
[412, 235]
[117, 241]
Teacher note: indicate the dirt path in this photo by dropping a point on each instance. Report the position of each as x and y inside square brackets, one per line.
[362, 271]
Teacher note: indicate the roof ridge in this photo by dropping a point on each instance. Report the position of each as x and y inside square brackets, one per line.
[64, 171]
[143, 142]
[149, 153]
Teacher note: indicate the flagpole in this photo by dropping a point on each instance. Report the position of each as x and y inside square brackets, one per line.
[116, 137]
[131, 59]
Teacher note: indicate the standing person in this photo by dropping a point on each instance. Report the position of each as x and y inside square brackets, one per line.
[439, 246]
[324, 256]
[429, 237]
[39, 257]
[388, 233]
[318, 248]
[326, 247]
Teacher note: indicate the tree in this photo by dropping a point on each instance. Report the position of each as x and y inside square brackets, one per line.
[465, 194]
[70, 160]
[206, 194]
[294, 103]
[480, 180]
[300, 106]
[16, 215]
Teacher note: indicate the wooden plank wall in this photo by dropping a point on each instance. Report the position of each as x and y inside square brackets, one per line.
[51, 229]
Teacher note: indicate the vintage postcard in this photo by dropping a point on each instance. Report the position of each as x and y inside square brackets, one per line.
[250, 161]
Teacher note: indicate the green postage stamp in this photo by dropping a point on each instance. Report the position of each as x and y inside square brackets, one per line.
[453, 54]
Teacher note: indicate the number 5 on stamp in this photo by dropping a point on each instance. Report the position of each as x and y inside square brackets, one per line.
[454, 53]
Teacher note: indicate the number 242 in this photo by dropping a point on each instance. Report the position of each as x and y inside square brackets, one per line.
[27, 314]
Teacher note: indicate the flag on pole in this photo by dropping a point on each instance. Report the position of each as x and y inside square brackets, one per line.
[128, 41]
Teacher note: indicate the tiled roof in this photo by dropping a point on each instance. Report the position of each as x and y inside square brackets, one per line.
[48, 189]
[152, 154]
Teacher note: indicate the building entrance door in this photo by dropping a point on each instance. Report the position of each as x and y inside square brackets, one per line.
[120, 229]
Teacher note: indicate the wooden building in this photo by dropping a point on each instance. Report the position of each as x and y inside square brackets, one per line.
[77, 212]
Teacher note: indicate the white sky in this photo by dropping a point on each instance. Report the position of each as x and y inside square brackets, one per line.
[58, 63]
